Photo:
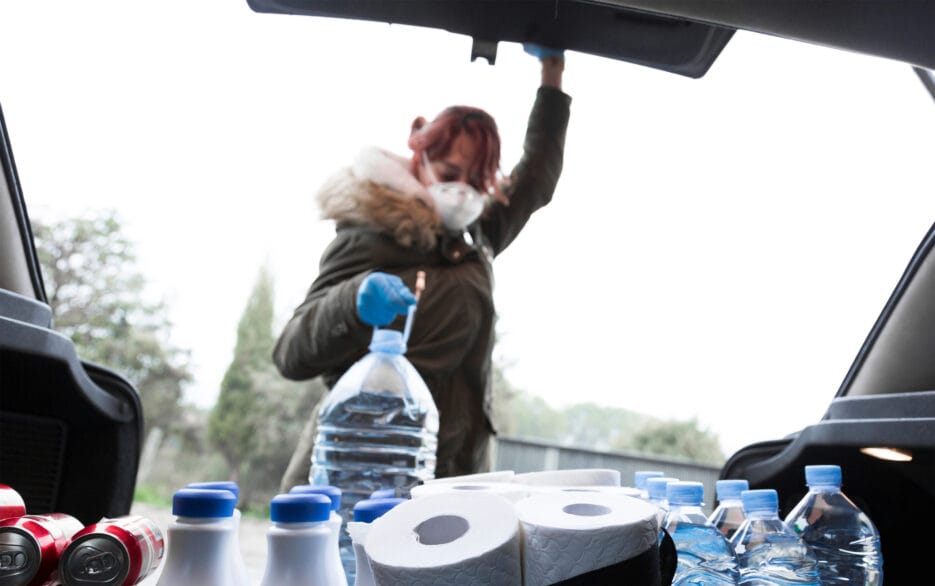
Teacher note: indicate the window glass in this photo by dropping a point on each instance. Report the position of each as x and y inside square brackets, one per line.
[716, 248]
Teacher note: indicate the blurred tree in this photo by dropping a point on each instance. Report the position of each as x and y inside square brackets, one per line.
[232, 424]
[596, 427]
[679, 438]
[601, 427]
[281, 415]
[259, 415]
[504, 397]
[97, 297]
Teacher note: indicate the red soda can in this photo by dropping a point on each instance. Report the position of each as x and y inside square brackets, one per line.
[118, 551]
[11, 503]
[30, 546]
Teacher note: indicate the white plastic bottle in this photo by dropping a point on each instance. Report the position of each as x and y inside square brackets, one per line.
[334, 523]
[299, 542]
[728, 515]
[365, 513]
[239, 567]
[842, 537]
[199, 540]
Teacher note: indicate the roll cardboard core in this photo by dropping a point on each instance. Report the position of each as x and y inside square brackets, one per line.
[442, 529]
[586, 510]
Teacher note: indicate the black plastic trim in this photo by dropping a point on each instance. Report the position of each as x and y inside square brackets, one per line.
[924, 249]
[25, 309]
[903, 30]
[888, 406]
[19, 206]
[662, 42]
[21, 337]
[928, 79]
[853, 433]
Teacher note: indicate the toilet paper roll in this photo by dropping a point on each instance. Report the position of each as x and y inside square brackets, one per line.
[582, 477]
[450, 538]
[508, 490]
[498, 476]
[566, 534]
[358, 532]
[620, 490]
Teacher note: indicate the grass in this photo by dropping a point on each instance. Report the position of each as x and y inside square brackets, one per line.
[151, 495]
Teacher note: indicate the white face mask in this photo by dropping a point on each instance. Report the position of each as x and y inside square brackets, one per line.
[458, 204]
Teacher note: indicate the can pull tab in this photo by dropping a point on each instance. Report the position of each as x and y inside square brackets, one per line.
[420, 286]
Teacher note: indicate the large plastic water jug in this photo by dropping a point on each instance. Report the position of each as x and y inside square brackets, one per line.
[378, 429]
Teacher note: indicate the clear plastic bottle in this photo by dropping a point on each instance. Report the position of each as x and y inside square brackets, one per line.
[728, 515]
[334, 523]
[300, 542]
[238, 566]
[383, 493]
[767, 551]
[378, 429]
[656, 491]
[656, 495]
[704, 556]
[640, 477]
[365, 513]
[199, 540]
[841, 536]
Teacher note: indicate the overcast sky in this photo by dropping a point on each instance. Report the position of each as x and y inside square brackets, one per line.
[717, 248]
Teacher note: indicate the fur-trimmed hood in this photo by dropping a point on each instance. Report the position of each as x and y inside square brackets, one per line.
[378, 191]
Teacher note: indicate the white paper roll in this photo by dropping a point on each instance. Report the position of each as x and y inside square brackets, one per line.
[498, 476]
[566, 534]
[620, 490]
[582, 477]
[452, 538]
[508, 490]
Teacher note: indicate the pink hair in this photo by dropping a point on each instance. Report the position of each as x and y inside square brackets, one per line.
[436, 139]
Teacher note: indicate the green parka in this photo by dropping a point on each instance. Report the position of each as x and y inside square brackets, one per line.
[383, 225]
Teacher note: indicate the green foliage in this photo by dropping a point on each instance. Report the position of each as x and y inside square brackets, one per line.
[598, 427]
[679, 438]
[97, 297]
[232, 425]
[259, 415]
[152, 496]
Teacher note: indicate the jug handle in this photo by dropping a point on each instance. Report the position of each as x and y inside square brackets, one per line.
[420, 286]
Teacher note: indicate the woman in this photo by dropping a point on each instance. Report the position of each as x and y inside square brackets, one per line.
[392, 220]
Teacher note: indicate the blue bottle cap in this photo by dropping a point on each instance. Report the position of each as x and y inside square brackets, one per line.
[203, 503]
[383, 493]
[367, 510]
[299, 508]
[730, 489]
[387, 342]
[685, 493]
[641, 475]
[823, 475]
[218, 485]
[332, 492]
[764, 499]
[656, 486]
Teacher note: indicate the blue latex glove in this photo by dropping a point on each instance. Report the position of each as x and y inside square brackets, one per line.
[541, 52]
[381, 297]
